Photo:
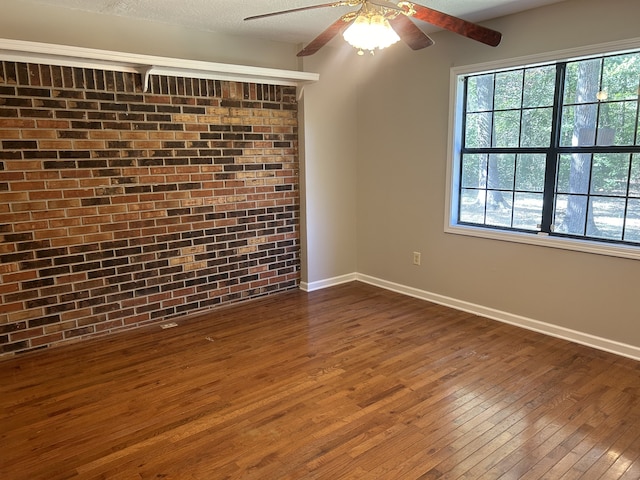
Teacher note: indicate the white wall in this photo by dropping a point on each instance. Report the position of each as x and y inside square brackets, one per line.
[401, 184]
[24, 20]
[329, 148]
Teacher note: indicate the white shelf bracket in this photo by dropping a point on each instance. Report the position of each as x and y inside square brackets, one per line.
[145, 72]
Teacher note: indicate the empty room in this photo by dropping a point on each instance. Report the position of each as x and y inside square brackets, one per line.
[363, 239]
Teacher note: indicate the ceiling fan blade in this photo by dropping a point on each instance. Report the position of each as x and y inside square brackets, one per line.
[325, 37]
[457, 25]
[410, 33]
[345, 3]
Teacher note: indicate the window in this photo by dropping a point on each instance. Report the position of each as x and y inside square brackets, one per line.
[551, 149]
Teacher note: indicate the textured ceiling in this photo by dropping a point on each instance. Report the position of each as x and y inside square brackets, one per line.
[226, 16]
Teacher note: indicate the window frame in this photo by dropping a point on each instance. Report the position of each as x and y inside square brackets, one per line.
[454, 142]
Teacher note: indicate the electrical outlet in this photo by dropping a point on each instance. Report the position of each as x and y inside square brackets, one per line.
[416, 258]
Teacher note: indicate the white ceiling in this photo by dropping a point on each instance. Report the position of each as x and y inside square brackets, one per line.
[226, 16]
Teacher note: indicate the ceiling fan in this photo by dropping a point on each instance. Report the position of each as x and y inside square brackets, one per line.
[389, 18]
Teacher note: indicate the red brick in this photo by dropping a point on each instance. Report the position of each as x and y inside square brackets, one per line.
[64, 222]
[42, 175]
[40, 134]
[89, 144]
[21, 222]
[47, 214]
[45, 195]
[17, 123]
[26, 334]
[11, 177]
[28, 206]
[84, 230]
[137, 319]
[105, 134]
[78, 193]
[47, 339]
[98, 237]
[51, 233]
[58, 124]
[161, 99]
[66, 241]
[11, 307]
[10, 134]
[23, 165]
[19, 186]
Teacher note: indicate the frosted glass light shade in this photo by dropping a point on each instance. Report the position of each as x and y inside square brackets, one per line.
[369, 32]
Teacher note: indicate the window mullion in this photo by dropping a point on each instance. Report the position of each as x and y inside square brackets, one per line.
[516, 156]
[636, 137]
[552, 153]
[588, 195]
[627, 193]
[492, 140]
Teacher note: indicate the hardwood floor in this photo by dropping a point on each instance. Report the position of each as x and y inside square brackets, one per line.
[351, 382]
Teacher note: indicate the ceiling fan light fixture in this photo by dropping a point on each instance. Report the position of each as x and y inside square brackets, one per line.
[380, 23]
[370, 30]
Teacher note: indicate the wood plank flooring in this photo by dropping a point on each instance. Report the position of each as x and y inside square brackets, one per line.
[351, 382]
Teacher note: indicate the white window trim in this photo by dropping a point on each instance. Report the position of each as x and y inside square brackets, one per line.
[454, 146]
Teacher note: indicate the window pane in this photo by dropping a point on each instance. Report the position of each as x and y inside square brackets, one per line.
[579, 125]
[478, 134]
[530, 172]
[474, 171]
[609, 174]
[539, 86]
[507, 128]
[620, 76]
[582, 81]
[499, 208]
[607, 216]
[570, 214]
[527, 210]
[566, 127]
[536, 127]
[472, 206]
[480, 93]
[617, 123]
[501, 171]
[632, 224]
[508, 90]
[573, 173]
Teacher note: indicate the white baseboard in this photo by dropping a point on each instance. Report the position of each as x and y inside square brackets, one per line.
[575, 336]
[329, 282]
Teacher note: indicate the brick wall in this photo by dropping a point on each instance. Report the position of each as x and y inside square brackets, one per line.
[119, 208]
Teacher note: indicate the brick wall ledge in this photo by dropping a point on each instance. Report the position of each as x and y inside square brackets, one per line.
[145, 65]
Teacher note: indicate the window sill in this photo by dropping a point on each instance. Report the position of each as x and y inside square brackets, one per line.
[584, 246]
